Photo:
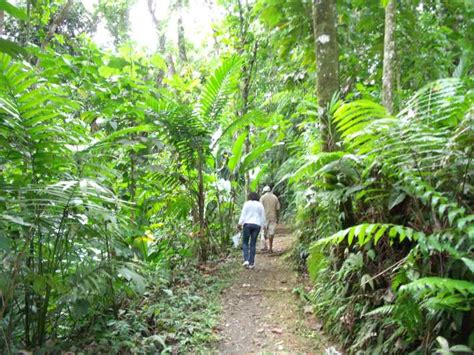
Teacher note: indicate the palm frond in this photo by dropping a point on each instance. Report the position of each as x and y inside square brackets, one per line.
[237, 151]
[442, 293]
[217, 89]
[370, 232]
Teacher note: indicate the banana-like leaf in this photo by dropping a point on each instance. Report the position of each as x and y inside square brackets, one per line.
[11, 48]
[237, 151]
[254, 117]
[255, 154]
[13, 10]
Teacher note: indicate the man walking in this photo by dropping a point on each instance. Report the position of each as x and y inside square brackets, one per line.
[272, 210]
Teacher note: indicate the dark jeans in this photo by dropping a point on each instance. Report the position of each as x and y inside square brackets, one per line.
[250, 234]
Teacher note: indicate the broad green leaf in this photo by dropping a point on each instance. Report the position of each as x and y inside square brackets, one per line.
[13, 10]
[158, 61]
[380, 232]
[237, 151]
[255, 154]
[11, 48]
[5, 243]
[469, 263]
[137, 279]
[15, 219]
[108, 72]
[395, 199]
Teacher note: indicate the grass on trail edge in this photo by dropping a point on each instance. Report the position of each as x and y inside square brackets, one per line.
[179, 315]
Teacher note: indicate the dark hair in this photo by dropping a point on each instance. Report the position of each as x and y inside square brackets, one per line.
[252, 196]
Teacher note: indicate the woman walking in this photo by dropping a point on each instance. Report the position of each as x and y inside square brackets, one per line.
[251, 220]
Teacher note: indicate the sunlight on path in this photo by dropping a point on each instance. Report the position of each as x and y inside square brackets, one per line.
[260, 311]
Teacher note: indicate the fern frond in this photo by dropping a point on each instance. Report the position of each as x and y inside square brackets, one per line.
[442, 293]
[369, 232]
[314, 163]
[355, 116]
[439, 103]
[381, 311]
[417, 139]
[217, 89]
[237, 151]
[33, 118]
[181, 128]
[439, 284]
[444, 207]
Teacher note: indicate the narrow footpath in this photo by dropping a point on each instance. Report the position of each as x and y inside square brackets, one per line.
[262, 314]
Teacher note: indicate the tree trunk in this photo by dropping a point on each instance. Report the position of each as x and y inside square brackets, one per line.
[389, 57]
[58, 20]
[181, 41]
[2, 20]
[161, 33]
[171, 68]
[159, 26]
[203, 252]
[327, 73]
[245, 107]
[247, 70]
[132, 184]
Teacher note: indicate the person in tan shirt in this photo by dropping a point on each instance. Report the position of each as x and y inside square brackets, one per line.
[272, 210]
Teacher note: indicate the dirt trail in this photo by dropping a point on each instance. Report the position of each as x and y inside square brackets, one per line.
[261, 313]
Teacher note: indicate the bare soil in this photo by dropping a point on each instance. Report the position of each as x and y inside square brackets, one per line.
[262, 314]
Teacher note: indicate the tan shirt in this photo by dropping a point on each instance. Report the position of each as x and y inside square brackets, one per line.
[271, 205]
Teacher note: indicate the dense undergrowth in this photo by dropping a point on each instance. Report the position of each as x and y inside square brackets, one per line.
[99, 197]
[176, 313]
[392, 218]
[120, 171]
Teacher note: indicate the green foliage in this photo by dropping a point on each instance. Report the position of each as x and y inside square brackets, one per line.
[445, 293]
[414, 161]
[9, 47]
[116, 15]
[218, 88]
[119, 168]
[92, 193]
[178, 312]
[316, 262]
[12, 10]
[237, 151]
[365, 233]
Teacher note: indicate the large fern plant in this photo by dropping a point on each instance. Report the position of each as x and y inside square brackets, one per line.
[188, 129]
[420, 161]
[59, 228]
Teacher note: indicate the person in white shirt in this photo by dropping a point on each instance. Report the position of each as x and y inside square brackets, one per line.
[252, 219]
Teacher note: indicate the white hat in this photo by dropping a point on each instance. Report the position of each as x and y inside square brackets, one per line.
[267, 189]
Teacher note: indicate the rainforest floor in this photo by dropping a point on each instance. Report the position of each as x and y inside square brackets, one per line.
[262, 311]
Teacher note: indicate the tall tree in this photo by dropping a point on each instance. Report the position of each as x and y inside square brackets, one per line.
[57, 20]
[160, 28]
[2, 19]
[327, 74]
[116, 15]
[389, 56]
[181, 38]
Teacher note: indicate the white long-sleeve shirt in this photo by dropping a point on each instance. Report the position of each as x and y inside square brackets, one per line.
[252, 212]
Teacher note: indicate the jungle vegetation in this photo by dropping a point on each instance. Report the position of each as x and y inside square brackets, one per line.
[122, 171]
